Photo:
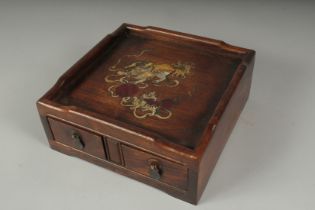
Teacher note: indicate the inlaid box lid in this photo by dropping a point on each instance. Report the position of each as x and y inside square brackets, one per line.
[166, 83]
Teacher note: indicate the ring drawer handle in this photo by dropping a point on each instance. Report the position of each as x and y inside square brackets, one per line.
[154, 169]
[77, 140]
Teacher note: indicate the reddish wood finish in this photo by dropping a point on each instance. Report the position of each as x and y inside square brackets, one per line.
[114, 152]
[176, 155]
[63, 133]
[173, 174]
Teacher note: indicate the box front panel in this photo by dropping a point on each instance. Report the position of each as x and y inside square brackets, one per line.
[160, 170]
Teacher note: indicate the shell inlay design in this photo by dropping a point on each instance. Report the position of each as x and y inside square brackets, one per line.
[127, 80]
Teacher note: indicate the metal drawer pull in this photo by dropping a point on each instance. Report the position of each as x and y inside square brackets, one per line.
[77, 140]
[154, 169]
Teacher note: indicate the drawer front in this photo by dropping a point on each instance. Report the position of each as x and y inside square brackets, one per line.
[77, 138]
[155, 167]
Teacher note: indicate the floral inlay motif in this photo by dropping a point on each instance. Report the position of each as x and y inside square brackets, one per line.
[128, 79]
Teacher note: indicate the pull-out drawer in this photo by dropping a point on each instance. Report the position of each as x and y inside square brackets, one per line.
[155, 167]
[77, 138]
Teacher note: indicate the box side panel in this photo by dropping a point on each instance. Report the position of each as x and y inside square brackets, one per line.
[224, 128]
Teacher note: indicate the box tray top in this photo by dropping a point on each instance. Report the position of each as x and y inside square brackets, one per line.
[166, 84]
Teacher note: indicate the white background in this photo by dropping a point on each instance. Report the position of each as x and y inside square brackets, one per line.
[269, 161]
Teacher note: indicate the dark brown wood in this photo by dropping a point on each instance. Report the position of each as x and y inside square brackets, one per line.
[151, 104]
[155, 167]
[114, 152]
[77, 138]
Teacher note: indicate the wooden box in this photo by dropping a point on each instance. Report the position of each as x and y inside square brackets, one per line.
[152, 104]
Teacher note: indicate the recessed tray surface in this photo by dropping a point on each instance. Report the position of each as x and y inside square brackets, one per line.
[164, 82]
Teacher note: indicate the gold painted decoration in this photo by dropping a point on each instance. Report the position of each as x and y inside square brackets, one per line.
[139, 74]
[146, 106]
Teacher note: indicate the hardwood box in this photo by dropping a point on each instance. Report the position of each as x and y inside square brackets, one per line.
[152, 104]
